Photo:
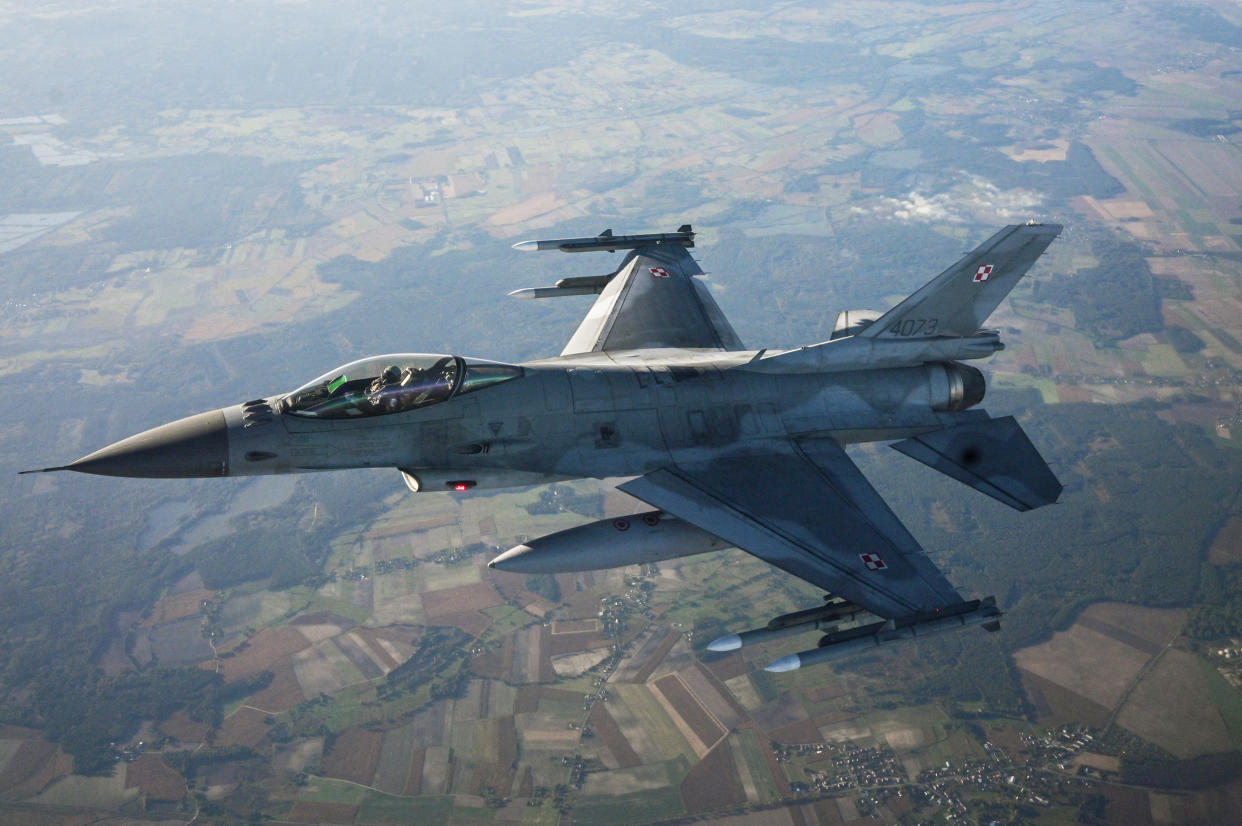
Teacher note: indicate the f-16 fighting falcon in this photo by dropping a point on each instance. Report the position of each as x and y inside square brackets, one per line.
[729, 446]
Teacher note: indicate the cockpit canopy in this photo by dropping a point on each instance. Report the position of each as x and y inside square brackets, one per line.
[393, 383]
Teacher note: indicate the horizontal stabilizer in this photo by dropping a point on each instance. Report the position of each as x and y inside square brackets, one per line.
[994, 457]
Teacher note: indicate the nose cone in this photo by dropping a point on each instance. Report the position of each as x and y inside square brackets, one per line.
[195, 446]
[518, 560]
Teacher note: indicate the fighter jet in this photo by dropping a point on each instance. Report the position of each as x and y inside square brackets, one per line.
[729, 446]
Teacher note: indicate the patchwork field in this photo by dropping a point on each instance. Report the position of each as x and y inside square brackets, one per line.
[1084, 672]
[1174, 707]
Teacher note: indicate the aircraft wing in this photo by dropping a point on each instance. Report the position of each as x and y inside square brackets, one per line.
[653, 301]
[807, 509]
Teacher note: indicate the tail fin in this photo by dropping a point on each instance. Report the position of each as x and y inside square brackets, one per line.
[959, 300]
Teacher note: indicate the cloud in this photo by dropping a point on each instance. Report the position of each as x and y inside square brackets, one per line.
[974, 200]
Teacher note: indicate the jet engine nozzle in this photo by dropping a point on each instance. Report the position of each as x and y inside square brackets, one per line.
[956, 386]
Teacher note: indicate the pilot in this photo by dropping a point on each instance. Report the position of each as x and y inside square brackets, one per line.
[379, 395]
[395, 390]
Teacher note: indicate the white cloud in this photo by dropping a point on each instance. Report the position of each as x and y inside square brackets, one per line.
[974, 200]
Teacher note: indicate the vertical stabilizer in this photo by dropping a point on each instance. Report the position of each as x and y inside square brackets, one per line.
[957, 302]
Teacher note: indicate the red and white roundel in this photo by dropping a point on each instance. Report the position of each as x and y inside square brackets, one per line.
[983, 273]
[873, 562]
[658, 272]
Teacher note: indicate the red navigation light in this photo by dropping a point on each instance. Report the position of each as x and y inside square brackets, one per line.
[460, 484]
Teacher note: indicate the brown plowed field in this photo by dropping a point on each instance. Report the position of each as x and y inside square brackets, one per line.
[666, 645]
[534, 604]
[714, 697]
[713, 782]
[828, 691]
[474, 597]
[570, 643]
[177, 607]
[499, 744]
[1055, 703]
[283, 693]
[560, 695]
[690, 709]
[530, 655]
[607, 730]
[354, 755]
[372, 642]
[495, 664]
[27, 772]
[414, 779]
[244, 727]
[804, 731]
[261, 650]
[180, 725]
[728, 667]
[783, 711]
[473, 623]
[1227, 547]
[526, 699]
[155, 778]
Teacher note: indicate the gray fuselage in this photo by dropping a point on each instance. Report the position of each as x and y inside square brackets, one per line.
[570, 418]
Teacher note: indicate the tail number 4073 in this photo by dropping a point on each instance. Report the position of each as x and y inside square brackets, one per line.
[915, 327]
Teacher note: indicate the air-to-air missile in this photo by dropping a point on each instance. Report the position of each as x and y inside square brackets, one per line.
[865, 637]
[608, 543]
[683, 237]
[812, 619]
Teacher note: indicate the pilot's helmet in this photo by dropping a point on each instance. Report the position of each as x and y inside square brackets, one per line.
[391, 374]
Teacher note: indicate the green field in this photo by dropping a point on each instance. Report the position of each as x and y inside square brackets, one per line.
[506, 619]
[654, 720]
[765, 786]
[386, 810]
[639, 807]
[326, 790]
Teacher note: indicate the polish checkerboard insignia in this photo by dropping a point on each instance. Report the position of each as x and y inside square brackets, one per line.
[983, 273]
[658, 272]
[873, 562]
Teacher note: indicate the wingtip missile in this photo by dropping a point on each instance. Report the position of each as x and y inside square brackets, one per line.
[790, 663]
[822, 618]
[866, 637]
[607, 242]
[729, 642]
